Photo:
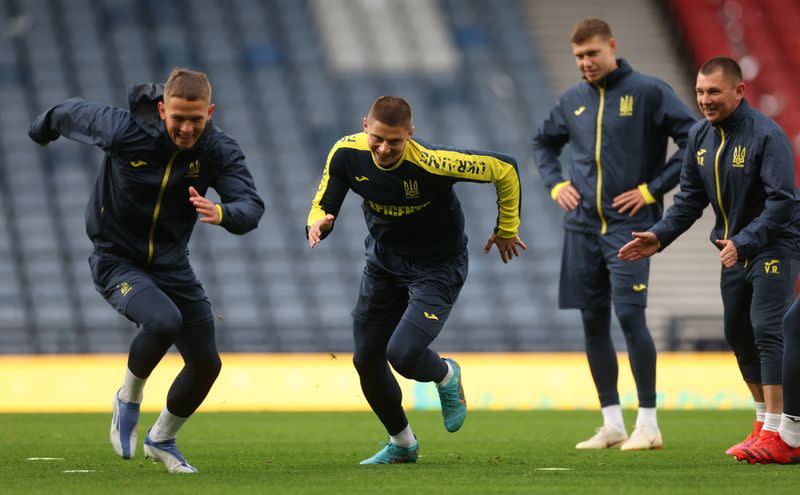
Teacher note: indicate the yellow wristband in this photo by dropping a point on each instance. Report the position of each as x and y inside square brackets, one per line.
[557, 188]
[219, 209]
[648, 198]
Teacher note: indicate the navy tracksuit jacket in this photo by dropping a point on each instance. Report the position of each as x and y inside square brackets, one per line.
[618, 129]
[743, 166]
[139, 208]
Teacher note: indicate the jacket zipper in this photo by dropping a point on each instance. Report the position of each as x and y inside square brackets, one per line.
[598, 144]
[716, 176]
[157, 209]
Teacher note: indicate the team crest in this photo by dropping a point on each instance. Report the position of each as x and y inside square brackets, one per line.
[411, 188]
[626, 106]
[739, 153]
[193, 172]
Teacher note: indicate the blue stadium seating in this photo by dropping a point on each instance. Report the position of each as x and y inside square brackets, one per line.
[279, 95]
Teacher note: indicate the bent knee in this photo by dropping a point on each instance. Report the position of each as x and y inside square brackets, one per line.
[215, 366]
[164, 321]
[402, 360]
[208, 368]
[365, 361]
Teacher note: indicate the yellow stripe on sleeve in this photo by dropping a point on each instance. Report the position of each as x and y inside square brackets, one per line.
[317, 212]
[356, 141]
[508, 197]
[478, 168]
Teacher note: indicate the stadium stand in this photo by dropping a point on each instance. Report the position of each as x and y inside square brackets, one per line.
[763, 36]
[290, 77]
[286, 89]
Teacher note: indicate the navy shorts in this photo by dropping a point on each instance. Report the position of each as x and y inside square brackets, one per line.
[592, 276]
[118, 279]
[420, 291]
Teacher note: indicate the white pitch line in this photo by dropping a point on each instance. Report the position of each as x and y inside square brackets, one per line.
[45, 458]
[554, 469]
[79, 470]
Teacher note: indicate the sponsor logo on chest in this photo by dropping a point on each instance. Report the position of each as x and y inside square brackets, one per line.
[700, 158]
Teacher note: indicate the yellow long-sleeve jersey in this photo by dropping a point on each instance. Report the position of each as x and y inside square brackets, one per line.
[411, 208]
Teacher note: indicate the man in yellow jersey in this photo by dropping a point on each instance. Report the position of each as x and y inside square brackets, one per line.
[161, 156]
[618, 122]
[416, 254]
[741, 162]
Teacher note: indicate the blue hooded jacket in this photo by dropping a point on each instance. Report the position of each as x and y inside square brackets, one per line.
[140, 207]
[619, 129]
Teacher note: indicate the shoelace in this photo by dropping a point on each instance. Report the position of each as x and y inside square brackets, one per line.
[451, 392]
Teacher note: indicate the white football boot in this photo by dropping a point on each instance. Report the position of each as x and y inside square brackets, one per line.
[644, 437]
[605, 437]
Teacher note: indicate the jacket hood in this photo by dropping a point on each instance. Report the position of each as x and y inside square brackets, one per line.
[143, 102]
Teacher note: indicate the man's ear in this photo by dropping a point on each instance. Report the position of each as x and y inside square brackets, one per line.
[162, 110]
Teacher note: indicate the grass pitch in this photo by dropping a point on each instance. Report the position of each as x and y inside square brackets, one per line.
[299, 453]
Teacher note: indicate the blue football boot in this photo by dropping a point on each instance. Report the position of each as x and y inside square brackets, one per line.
[393, 454]
[124, 420]
[454, 404]
[168, 453]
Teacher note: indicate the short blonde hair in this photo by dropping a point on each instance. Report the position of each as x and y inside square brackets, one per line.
[187, 84]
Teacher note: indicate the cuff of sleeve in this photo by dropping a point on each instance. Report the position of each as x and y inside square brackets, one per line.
[219, 210]
[741, 247]
[314, 216]
[505, 234]
[648, 198]
[558, 187]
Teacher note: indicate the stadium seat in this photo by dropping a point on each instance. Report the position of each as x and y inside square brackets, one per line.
[474, 80]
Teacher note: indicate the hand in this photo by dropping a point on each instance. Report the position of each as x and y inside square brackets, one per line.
[629, 200]
[729, 254]
[643, 245]
[320, 227]
[208, 211]
[507, 247]
[568, 198]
